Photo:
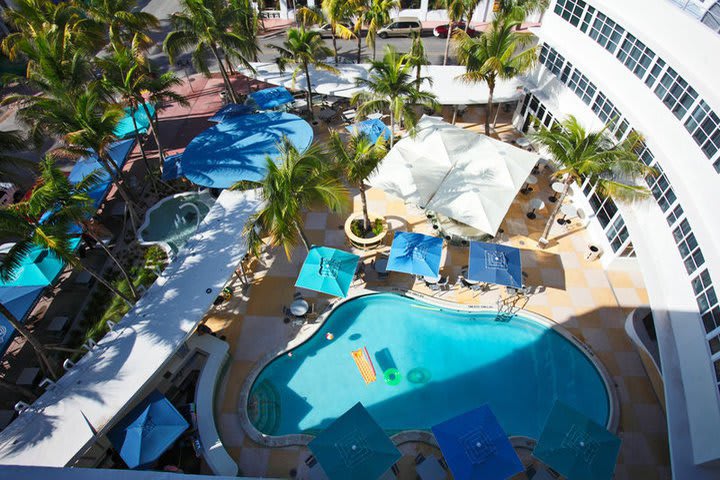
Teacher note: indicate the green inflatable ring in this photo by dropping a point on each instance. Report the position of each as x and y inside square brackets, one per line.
[392, 376]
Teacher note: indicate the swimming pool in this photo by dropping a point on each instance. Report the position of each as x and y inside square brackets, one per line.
[173, 220]
[449, 361]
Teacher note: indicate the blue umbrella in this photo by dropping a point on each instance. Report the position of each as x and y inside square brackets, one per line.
[147, 431]
[172, 167]
[493, 263]
[271, 97]
[475, 446]
[118, 153]
[126, 126]
[231, 110]
[373, 128]
[19, 300]
[416, 254]
[238, 148]
[328, 270]
[354, 447]
[577, 447]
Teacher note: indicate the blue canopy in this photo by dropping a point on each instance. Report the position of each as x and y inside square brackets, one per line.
[476, 446]
[328, 270]
[577, 447]
[231, 110]
[373, 128]
[493, 263]
[126, 127]
[416, 254]
[237, 149]
[118, 153]
[172, 167]
[271, 97]
[147, 431]
[19, 300]
[354, 447]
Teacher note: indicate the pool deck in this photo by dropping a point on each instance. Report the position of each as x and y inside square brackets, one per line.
[590, 302]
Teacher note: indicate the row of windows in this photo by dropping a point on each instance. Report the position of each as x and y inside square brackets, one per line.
[664, 194]
[674, 91]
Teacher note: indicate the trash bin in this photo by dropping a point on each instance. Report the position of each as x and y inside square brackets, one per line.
[593, 252]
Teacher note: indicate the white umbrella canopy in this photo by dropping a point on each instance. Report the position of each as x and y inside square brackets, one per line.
[466, 176]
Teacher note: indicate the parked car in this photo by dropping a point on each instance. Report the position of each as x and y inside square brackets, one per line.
[401, 27]
[441, 31]
[325, 30]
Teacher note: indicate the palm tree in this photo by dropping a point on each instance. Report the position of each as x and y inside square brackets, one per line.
[376, 17]
[496, 54]
[358, 158]
[336, 12]
[390, 87]
[611, 165]
[303, 48]
[519, 9]
[455, 12]
[470, 6]
[298, 181]
[246, 21]
[360, 9]
[205, 26]
[417, 57]
[125, 24]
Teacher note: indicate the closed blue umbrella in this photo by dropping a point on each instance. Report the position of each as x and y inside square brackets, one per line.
[147, 431]
[577, 447]
[374, 128]
[416, 254]
[493, 263]
[328, 270]
[475, 446]
[271, 97]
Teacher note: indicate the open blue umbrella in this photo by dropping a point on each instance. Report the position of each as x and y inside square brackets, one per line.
[118, 152]
[577, 447]
[374, 128]
[328, 270]
[172, 167]
[19, 300]
[476, 446]
[416, 254]
[493, 263]
[147, 431]
[354, 447]
[231, 110]
[271, 97]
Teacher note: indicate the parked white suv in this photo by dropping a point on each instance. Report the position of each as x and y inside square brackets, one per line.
[401, 27]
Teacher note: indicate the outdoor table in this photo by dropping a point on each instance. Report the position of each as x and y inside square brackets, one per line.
[523, 142]
[381, 265]
[568, 210]
[375, 116]
[535, 204]
[558, 187]
[527, 188]
[430, 469]
[299, 307]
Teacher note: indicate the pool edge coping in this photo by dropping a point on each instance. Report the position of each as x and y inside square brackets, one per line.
[308, 330]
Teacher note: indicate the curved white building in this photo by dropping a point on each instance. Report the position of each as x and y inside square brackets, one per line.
[649, 66]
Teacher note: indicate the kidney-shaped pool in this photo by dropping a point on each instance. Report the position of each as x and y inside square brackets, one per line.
[432, 363]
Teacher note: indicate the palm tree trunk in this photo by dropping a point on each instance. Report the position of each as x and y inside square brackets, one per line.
[156, 134]
[106, 284]
[17, 390]
[543, 241]
[374, 48]
[226, 79]
[418, 81]
[332, 31]
[488, 112]
[359, 44]
[303, 237]
[144, 156]
[309, 89]
[363, 201]
[112, 257]
[392, 128]
[447, 43]
[40, 350]
[118, 180]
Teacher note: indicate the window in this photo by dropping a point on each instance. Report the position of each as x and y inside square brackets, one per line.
[552, 59]
[706, 300]
[644, 154]
[712, 17]
[617, 233]
[604, 208]
[606, 32]
[655, 73]
[570, 10]
[675, 215]
[704, 126]
[582, 87]
[635, 55]
[675, 93]
[607, 112]
[688, 246]
[661, 189]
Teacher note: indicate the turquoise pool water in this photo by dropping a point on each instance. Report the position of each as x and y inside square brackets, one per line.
[173, 220]
[449, 362]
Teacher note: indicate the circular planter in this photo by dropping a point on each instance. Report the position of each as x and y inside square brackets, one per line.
[360, 242]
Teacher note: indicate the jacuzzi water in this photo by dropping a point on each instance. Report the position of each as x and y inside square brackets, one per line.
[449, 361]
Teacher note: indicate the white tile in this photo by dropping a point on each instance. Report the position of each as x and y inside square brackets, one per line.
[562, 314]
[627, 297]
[231, 432]
[595, 277]
[581, 297]
[570, 260]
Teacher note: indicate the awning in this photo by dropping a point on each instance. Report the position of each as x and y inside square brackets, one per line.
[328, 270]
[475, 446]
[374, 128]
[493, 263]
[270, 98]
[577, 447]
[463, 175]
[354, 447]
[238, 148]
[416, 254]
[126, 127]
[147, 431]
